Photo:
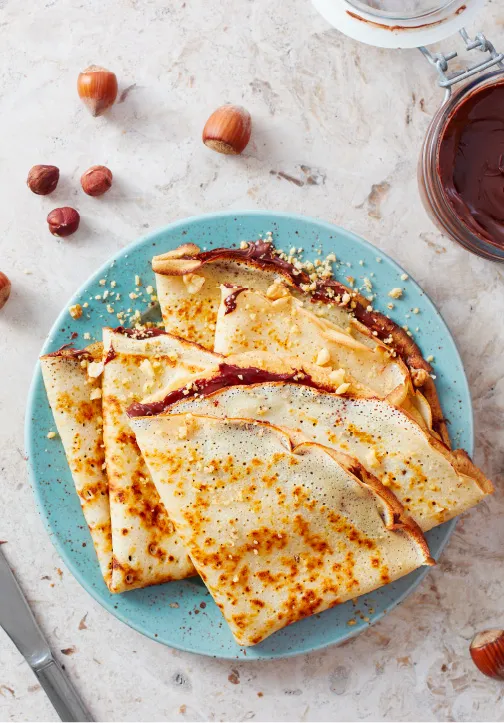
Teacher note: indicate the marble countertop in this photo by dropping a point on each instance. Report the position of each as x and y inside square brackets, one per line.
[337, 132]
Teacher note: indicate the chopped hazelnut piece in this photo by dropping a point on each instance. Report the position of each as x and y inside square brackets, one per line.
[277, 290]
[95, 369]
[75, 311]
[193, 282]
[395, 293]
[337, 377]
[323, 357]
[343, 388]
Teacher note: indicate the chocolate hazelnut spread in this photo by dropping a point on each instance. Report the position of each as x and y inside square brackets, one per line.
[230, 300]
[229, 375]
[471, 163]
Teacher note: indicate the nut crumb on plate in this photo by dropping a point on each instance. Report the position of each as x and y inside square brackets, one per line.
[395, 293]
[75, 311]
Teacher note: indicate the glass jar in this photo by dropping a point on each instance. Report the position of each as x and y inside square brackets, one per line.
[418, 23]
[431, 188]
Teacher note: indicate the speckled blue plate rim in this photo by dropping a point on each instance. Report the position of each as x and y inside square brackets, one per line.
[37, 380]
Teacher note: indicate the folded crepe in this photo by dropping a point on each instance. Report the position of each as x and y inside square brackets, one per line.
[146, 548]
[280, 324]
[276, 532]
[75, 399]
[188, 282]
[432, 482]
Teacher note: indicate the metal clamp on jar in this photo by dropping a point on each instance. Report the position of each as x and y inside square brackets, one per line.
[461, 166]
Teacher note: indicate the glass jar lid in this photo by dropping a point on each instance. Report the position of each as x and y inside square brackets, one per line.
[398, 23]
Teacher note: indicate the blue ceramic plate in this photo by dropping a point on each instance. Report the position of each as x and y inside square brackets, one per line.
[174, 613]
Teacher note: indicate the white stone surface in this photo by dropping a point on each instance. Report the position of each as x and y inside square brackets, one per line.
[351, 116]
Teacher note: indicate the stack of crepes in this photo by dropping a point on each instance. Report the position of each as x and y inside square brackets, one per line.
[281, 439]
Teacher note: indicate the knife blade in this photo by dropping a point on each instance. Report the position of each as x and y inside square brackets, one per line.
[16, 618]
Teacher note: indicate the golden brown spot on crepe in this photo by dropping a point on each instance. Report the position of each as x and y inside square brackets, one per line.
[90, 491]
[240, 620]
[268, 578]
[312, 562]
[127, 438]
[86, 411]
[301, 606]
[302, 528]
[268, 539]
[361, 435]
[114, 405]
[385, 575]
[116, 565]
[257, 603]
[64, 403]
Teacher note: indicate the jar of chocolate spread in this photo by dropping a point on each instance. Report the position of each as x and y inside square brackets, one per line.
[461, 166]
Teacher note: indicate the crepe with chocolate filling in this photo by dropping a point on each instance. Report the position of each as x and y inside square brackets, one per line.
[188, 282]
[146, 548]
[280, 323]
[277, 532]
[432, 482]
[75, 400]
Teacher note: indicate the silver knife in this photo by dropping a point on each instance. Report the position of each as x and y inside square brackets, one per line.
[17, 620]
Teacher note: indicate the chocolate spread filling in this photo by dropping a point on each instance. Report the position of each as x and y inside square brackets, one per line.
[230, 300]
[66, 351]
[229, 376]
[132, 334]
[139, 333]
[261, 252]
[111, 354]
[470, 163]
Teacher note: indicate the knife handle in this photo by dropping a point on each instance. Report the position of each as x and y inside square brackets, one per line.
[61, 692]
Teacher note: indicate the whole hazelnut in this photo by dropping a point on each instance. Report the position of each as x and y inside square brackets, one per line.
[96, 180]
[63, 221]
[97, 88]
[228, 130]
[5, 289]
[487, 652]
[43, 179]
